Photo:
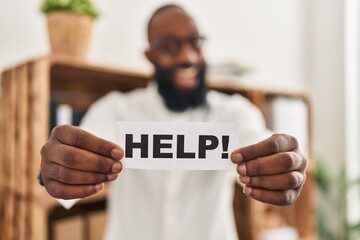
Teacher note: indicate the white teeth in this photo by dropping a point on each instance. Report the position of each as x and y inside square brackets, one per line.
[190, 72]
[186, 78]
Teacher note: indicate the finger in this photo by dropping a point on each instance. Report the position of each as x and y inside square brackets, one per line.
[69, 176]
[75, 136]
[274, 164]
[275, 197]
[79, 159]
[275, 144]
[291, 180]
[65, 191]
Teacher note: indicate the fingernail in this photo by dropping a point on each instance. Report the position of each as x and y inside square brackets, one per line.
[238, 158]
[99, 186]
[116, 167]
[242, 169]
[247, 190]
[116, 154]
[245, 179]
[112, 177]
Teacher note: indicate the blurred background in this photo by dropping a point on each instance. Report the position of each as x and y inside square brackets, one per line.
[310, 46]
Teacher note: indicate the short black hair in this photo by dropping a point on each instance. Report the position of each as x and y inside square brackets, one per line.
[159, 10]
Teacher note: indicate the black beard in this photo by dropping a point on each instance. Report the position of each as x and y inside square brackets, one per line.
[176, 100]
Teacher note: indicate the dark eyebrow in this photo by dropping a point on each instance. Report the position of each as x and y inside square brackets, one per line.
[167, 36]
[172, 36]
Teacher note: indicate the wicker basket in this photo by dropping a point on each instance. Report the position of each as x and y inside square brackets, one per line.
[69, 33]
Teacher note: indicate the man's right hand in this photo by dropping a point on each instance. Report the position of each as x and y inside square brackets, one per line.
[75, 163]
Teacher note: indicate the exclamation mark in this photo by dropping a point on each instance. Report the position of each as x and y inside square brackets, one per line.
[225, 145]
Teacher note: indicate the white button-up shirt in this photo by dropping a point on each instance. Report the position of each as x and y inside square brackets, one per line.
[165, 205]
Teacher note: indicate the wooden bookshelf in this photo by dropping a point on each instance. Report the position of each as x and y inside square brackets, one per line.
[28, 212]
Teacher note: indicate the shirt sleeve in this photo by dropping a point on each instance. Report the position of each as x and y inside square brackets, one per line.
[252, 126]
[101, 117]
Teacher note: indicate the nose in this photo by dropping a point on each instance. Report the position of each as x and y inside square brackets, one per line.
[188, 55]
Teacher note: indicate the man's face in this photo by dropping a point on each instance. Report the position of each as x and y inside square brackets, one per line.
[175, 51]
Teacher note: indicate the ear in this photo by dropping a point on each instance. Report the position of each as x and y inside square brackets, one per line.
[149, 55]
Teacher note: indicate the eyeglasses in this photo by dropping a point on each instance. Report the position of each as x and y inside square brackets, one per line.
[173, 45]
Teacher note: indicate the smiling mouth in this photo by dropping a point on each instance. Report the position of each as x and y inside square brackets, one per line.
[186, 78]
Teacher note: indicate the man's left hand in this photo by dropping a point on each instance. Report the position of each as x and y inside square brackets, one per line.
[272, 170]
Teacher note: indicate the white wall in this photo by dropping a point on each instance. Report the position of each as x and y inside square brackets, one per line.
[22, 33]
[265, 35]
[352, 100]
[325, 76]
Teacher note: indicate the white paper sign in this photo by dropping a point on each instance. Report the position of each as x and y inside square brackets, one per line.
[174, 145]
